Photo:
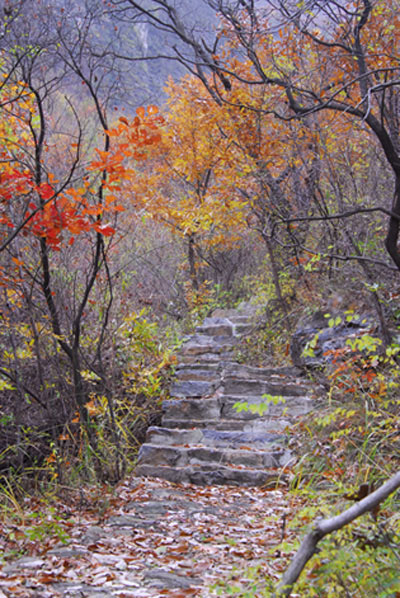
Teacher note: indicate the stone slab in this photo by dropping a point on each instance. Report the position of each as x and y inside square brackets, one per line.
[191, 408]
[180, 456]
[192, 388]
[239, 386]
[209, 475]
[288, 407]
[211, 437]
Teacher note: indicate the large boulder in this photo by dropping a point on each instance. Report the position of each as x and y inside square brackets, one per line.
[315, 342]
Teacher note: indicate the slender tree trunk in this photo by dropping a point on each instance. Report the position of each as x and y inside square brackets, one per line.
[275, 278]
[192, 263]
[392, 236]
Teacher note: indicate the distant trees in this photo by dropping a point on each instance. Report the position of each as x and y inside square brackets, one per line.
[317, 78]
[317, 58]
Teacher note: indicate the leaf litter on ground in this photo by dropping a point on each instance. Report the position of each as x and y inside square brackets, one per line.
[146, 538]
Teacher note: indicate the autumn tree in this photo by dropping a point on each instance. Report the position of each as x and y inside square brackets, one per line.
[221, 173]
[329, 57]
[59, 211]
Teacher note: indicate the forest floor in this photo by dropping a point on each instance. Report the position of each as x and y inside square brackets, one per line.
[145, 538]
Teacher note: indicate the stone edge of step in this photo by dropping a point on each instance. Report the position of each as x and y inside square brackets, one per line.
[208, 475]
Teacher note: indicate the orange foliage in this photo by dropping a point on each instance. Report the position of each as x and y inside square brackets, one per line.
[47, 209]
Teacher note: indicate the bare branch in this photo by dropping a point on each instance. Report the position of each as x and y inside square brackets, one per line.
[326, 526]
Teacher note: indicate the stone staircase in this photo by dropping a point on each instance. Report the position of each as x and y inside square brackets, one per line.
[204, 439]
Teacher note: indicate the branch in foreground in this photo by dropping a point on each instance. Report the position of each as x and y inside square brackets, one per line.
[326, 526]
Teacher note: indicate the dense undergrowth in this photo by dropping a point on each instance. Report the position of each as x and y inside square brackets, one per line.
[348, 447]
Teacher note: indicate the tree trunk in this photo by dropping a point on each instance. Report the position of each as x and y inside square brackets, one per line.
[392, 236]
[275, 278]
[192, 263]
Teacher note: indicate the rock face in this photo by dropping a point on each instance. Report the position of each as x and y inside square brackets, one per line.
[205, 438]
[327, 338]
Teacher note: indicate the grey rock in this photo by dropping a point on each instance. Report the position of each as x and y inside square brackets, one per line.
[259, 425]
[77, 590]
[328, 338]
[26, 562]
[192, 408]
[210, 475]
[178, 456]
[287, 406]
[207, 358]
[207, 372]
[94, 534]
[66, 552]
[210, 437]
[131, 521]
[172, 505]
[155, 507]
[242, 371]
[190, 388]
[238, 386]
[216, 327]
[161, 578]
[202, 343]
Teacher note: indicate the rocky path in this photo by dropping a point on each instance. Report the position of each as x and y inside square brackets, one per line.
[204, 506]
[151, 538]
[226, 423]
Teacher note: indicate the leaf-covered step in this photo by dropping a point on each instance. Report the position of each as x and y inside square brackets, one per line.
[213, 437]
[180, 456]
[209, 475]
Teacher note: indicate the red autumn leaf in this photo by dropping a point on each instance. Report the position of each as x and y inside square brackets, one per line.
[45, 191]
[104, 229]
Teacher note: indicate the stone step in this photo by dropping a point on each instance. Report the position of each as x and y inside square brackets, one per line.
[234, 327]
[191, 408]
[292, 406]
[209, 475]
[212, 437]
[203, 343]
[255, 426]
[215, 407]
[203, 438]
[205, 359]
[193, 388]
[207, 372]
[241, 371]
[181, 456]
[244, 310]
[275, 387]
[216, 327]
